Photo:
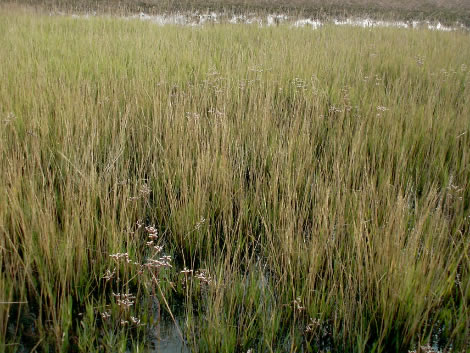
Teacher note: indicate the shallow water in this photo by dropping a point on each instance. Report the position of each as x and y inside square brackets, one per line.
[193, 19]
[166, 339]
[196, 19]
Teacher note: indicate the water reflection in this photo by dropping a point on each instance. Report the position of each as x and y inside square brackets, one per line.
[165, 338]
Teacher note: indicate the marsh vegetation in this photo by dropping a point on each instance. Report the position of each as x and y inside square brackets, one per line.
[271, 189]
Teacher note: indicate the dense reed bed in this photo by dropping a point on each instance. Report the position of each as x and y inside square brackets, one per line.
[316, 183]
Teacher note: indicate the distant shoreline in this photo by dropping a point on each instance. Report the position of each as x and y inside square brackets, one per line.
[194, 19]
[447, 13]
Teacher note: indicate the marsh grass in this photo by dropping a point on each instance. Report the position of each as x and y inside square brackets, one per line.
[315, 182]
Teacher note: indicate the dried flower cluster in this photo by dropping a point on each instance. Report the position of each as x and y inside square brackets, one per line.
[153, 263]
[297, 304]
[124, 300]
[203, 276]
[312, 325]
